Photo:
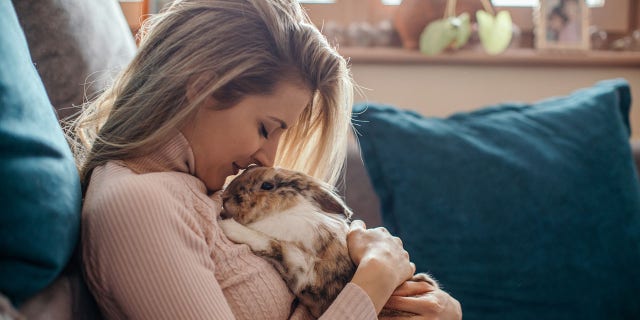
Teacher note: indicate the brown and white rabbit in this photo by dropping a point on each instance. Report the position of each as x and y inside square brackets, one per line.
[300, 225]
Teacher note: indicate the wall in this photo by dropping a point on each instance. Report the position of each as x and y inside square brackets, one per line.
[439, 90]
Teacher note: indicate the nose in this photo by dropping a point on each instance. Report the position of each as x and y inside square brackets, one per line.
[266, 155]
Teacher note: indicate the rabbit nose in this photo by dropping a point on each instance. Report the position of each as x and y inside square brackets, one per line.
[224, 214]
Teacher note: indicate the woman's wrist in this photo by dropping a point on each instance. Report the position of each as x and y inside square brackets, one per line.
[375, 279]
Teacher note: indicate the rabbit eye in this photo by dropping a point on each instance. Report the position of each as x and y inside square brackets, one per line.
[266, 186]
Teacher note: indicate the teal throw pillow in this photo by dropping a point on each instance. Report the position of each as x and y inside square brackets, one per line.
[522, 211]
[39, 185]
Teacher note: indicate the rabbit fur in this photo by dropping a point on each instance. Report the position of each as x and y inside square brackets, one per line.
[300, 225]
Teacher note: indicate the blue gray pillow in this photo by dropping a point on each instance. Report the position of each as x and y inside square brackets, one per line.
[522, 211]
[39, 185]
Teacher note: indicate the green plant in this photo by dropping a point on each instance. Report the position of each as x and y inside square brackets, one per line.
[494, 30]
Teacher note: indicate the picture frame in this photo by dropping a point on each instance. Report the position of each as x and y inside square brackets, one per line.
[562, 24]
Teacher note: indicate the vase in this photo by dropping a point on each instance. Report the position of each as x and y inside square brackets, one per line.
[412, 16]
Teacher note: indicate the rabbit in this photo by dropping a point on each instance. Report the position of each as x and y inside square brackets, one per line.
[300, 225]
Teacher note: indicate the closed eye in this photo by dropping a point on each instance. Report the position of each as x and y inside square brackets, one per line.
[263, 131]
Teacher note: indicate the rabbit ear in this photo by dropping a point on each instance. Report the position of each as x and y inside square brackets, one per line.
[329, 201]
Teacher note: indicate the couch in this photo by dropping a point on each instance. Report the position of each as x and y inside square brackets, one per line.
[521, 211]
[75, 46]
[361, 196]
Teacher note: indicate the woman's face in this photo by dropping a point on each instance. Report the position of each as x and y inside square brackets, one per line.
[225, 141]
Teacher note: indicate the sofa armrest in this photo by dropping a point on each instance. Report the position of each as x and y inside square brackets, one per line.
[67, 298]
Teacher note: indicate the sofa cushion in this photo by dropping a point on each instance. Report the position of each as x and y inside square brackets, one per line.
[39, 185]
[522, 211]
[77, 45]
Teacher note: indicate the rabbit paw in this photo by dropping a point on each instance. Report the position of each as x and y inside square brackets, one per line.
[233, 230]
[238, 233]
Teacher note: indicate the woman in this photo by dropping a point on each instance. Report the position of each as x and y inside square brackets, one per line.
[218, 85]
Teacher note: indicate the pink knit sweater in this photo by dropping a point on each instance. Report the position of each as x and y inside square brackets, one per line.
[152, 249]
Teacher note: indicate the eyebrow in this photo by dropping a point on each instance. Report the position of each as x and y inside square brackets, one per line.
[283, 125]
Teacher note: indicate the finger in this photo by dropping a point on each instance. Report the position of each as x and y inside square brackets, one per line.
[398, 241]
[424, 304]
[383, 229]
[413, 288]
[357, 224]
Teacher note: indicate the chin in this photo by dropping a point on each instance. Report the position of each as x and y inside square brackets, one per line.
[217, 182]
[214, 185]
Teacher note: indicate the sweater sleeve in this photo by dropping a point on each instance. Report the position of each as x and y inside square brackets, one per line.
[145, 260]
[351, 304]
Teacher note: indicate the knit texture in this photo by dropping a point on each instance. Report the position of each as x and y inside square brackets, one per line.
[152, 249]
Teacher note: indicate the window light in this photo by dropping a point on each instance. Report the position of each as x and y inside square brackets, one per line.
[532, 3]
[511, 3]
[497, 3]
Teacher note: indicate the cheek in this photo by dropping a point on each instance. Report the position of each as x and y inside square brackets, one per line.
[241, 144]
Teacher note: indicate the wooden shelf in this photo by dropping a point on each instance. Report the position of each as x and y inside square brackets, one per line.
[520, 57]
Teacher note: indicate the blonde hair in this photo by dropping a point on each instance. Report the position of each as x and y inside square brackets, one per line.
[230, 48]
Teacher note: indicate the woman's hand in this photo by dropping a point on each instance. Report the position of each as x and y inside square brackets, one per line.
[425, 300]
[382, 262]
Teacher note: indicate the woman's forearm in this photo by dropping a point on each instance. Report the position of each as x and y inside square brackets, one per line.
[378, 288]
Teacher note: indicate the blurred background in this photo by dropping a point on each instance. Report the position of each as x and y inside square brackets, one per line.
[379, 37]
